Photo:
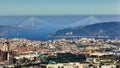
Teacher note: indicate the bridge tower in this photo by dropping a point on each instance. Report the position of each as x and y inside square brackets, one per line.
[92, 19]
[33, 23]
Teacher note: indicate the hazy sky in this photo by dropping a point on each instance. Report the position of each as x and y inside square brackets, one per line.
[59, 7]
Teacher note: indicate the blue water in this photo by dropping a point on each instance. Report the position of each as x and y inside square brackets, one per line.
[46, 25]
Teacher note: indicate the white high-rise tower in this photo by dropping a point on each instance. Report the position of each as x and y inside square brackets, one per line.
[6, 48]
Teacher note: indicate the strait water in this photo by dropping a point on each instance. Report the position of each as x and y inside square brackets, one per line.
[44, 26]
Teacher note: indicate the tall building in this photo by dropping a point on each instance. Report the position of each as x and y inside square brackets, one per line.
[6, 44]
[3, 55]
[5, 51]
[6, 54]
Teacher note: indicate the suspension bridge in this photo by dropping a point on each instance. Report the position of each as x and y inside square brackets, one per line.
[33, 22]
[88, 20]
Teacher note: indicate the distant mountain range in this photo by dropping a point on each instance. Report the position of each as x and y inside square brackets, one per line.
[105, 30]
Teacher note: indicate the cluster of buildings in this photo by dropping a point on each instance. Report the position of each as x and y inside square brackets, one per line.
[6, 56]
[98, 53]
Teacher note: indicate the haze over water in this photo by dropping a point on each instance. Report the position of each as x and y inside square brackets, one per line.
[47, 25]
